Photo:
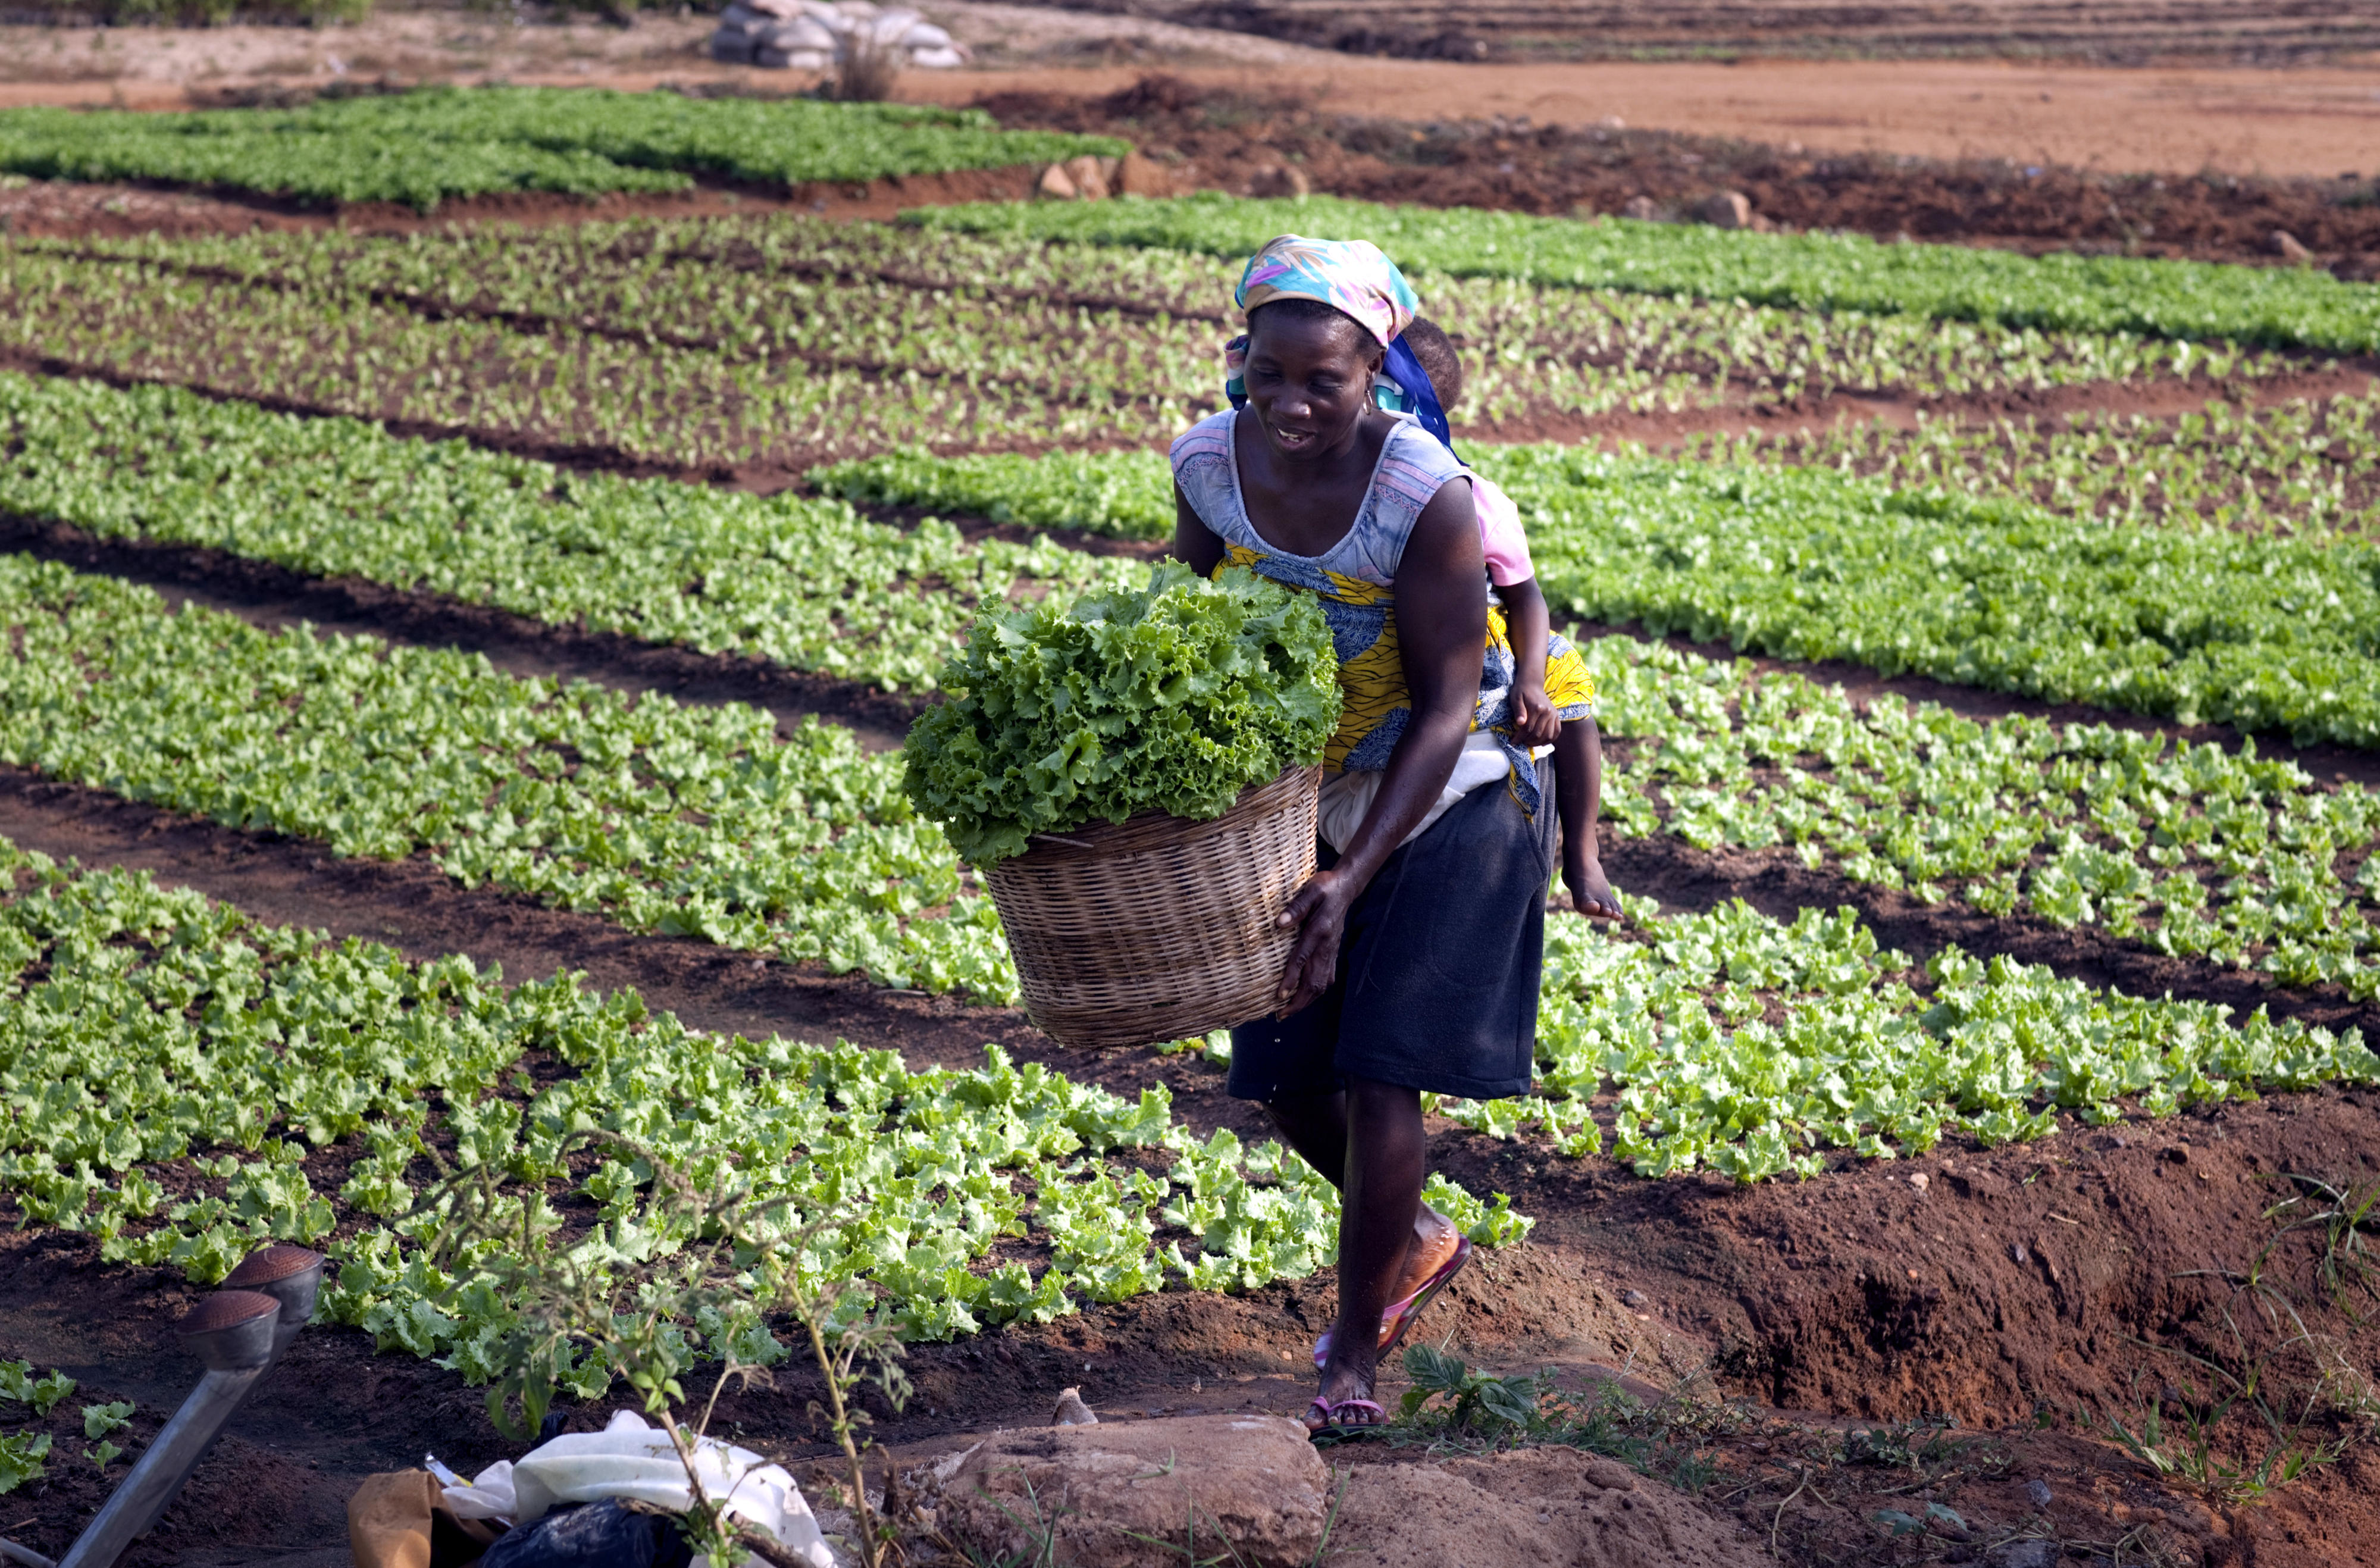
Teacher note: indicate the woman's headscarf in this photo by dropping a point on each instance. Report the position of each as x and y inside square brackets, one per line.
[1349, 275]
[1353, 277]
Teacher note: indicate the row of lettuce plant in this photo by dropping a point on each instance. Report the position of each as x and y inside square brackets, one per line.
[689, 820]
[805, 584]
[433, 145]
[2190, 302]
[1810, 562]
[183, 1082]
[740, 341]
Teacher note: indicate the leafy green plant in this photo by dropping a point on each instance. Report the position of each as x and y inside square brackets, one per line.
[18, 1382]
[743, 1260]
[2296, 307]
[1447, 1396]
[1119, 494]
[157, 1045]
[804, 583]
[99, 1420]
[422, 146]
[20, 1458]
[763, 340]
[1173, 697]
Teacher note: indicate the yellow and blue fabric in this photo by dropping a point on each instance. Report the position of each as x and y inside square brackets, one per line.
[1352, 276]
[1355, 582]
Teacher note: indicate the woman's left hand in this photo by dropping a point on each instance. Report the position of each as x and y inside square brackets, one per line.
[1319, 911]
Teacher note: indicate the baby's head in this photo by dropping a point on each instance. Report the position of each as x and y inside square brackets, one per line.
[1438, 361]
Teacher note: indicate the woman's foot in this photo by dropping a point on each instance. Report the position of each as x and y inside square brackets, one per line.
[1345, 1406]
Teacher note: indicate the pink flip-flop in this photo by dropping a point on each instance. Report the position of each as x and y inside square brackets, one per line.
[1331, 1427]
[1400, 1315]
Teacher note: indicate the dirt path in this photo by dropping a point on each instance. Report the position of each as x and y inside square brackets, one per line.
[2314, 121]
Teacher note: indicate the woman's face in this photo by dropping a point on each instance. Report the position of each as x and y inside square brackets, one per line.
[1309, 380]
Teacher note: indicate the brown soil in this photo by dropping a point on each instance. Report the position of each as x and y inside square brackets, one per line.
[2018, 197]
[2128, 34]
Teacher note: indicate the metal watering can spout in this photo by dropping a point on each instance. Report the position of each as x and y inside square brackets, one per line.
[238, 1334]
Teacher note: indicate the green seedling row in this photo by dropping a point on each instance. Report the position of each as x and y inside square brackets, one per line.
[1114, 494]
[1745, 1045]
[617, 392]
[734, 340]
[2202, 625]
[2193, 851]
[424, 147]
[2301, 468]
[1805, 564]
[183, 1082]
[2188, 302]
[805, 584]
[687, 821]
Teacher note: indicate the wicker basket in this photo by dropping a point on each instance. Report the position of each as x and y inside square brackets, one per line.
[1157, 928]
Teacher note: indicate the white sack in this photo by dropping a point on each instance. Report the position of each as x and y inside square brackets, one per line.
[630, 1460]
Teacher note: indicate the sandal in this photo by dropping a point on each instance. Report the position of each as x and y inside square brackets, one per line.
[1400, 1315]
[1330, 1426]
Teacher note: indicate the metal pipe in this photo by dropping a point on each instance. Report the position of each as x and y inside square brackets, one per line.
[239, 1333]
[232, 1333]
[25, 1555]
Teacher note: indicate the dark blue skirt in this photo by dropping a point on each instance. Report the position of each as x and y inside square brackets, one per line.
[1439, 966]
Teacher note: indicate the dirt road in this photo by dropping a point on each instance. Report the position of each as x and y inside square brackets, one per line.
[2313, 121]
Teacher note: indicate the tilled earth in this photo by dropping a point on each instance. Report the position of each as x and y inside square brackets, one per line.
[1984, 1318]
[1238, 141]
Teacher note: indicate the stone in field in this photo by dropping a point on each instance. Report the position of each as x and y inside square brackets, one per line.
[1254, 1486]
[2288, 246]
[1280, 180]
[1057, 183]
[1089, 176]
[1639, 208]
[1724, 209]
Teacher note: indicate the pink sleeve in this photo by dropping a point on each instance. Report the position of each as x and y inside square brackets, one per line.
[1500, 539]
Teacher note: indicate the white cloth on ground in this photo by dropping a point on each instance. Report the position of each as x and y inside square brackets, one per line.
[630, 1460]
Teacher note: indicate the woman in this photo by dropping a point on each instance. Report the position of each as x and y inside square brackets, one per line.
[1420, 940]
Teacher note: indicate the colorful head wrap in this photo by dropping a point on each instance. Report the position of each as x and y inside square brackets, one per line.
[1349, 275]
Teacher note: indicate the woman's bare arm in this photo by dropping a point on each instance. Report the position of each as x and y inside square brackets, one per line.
[1442, 631]
[1193, 542]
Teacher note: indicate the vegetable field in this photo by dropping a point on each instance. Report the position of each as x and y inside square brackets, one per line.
[1988, 652]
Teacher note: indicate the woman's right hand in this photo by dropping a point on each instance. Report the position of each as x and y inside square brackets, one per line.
[1320, 914]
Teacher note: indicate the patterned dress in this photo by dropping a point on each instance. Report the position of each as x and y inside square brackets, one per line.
[1356, 582]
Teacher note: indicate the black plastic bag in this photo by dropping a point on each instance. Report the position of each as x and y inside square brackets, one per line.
[594, 1535]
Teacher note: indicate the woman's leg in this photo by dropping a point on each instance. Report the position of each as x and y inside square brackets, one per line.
[1380, 1201]
[1316, 1126]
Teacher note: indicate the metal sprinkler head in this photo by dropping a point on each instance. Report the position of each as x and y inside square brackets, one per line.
[290, 1276]
[231, 1330]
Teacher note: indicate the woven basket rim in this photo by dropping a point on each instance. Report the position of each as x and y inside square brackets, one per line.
[1146, 830]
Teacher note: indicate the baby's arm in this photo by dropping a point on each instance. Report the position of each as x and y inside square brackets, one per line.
[1578, 797]
[1529, 627]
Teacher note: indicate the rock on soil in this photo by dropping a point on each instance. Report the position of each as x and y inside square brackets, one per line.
[1539, 1508]
[1124, 1495]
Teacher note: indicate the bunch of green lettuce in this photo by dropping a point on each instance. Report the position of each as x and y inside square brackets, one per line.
[1173, 697]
